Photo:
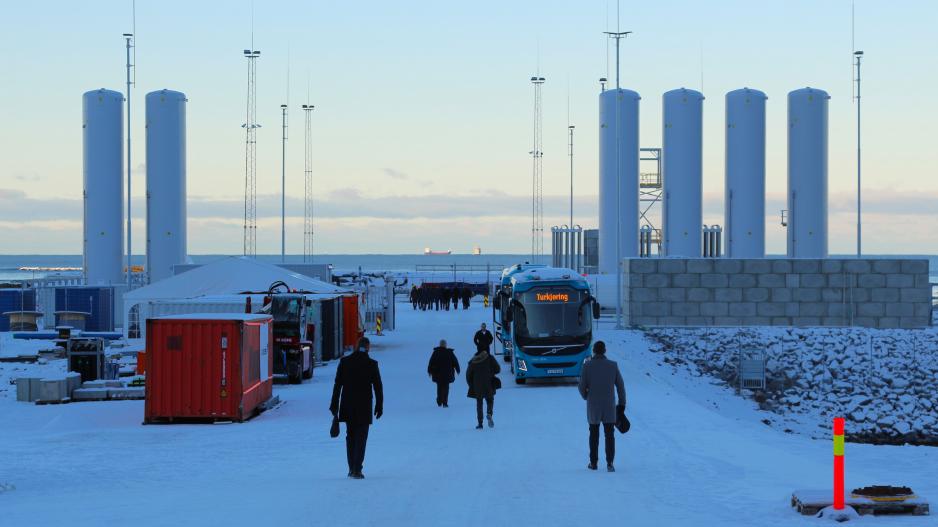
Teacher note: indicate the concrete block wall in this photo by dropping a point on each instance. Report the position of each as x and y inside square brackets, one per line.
[876, 293]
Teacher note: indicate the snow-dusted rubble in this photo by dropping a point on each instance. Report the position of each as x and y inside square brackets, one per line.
[885, 382]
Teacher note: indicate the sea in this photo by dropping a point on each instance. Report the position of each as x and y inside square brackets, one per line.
[28, 266]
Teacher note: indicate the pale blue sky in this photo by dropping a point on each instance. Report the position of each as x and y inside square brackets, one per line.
[423, 111]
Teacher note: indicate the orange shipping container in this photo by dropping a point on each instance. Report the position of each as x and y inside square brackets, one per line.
[207, 367]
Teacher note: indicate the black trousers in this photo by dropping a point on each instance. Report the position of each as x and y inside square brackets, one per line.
[490, 401]
[356, 437]
[442, 392]
[608, 431]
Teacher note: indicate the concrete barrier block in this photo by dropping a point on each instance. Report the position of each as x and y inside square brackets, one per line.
[781, 266]
[643, 265]
[126, 393]
[813, 280]
[832, 294]
[781, 321]
[685, 309]
[806, 266]
[913, 322]
[792, 281]
[770, 309]
[714, 309]
[53, 389]
[842, 280]
[834, 321]
[871, 309]
[27, 389]
[806, 321]
[90, 394]
[699, 294]
[702, 265]
[921, 309]
[655, 309]
[900, 280]
[634, 309]
[728, 266]
[871, 280]
[780, 294]
[806, 294]
[832, 266]
[914, 266]
[644, 294]
[633, 280]
[759, 321]
[656, 280]
[841, 310]
[858, 294]
[686, 280]
[699, 321]
[757, 266]
[812, 309]
[713, 279]
[915, 294]
[672, 321]
[900, 309]
[753, 294]
[884, 294]
[865, 322]
[770, 280]
[857, 266]
[672, 294]
[742, 280]
[672, 265]
[73, 381]
[886, 266]
[727, 321]
[888, 322]
[742, 309]
[730, 294]
[922, 280]
[792, 309]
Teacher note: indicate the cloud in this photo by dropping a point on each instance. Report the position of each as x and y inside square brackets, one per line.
[395, 174]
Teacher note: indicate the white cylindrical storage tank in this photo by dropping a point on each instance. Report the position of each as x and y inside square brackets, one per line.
[618, 124]
[744, 203]
[807, 173]
[166, 182]
[682, 170]
[103, 180]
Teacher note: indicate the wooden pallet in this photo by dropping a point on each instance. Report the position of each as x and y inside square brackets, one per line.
[810, 502]
[54, 401]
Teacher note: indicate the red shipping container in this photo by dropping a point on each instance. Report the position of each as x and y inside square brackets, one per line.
[207, 367]
[351, 326]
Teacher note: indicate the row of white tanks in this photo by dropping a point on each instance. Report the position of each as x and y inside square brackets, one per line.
[682, 172]
[102, 173]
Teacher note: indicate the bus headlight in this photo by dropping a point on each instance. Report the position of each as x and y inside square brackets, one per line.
[522, 365]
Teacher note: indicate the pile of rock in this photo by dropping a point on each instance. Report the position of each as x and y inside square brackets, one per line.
[885, 382]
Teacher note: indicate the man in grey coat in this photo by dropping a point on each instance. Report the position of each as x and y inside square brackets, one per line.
[600, 380]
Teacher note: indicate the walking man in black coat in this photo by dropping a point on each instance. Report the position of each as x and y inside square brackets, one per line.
[443, 368]
[481, 377]
[355, 379]
[483, 339]
[600, 384]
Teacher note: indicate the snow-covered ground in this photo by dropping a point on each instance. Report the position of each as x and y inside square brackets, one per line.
[696, 455]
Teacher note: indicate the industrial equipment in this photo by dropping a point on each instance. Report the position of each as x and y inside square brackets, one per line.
[292, 349]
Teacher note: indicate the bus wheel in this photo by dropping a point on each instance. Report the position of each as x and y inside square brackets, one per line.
[520, 380]
[507, 357]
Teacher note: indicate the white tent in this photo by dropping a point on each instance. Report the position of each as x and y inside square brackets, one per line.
[227, 277]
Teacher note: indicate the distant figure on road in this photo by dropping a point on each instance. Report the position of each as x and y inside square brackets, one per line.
[599, 381]
[443, 368]
[355, 379]
[445, 298]
[457, 294]
[480, 375]
[483, 339]
[466, 297]
[413, 296]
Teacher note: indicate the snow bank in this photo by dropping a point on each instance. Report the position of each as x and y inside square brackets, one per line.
[885, 382]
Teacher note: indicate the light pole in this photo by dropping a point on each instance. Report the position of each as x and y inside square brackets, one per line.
[618, 35]
[858, 55]
[570, 243]
[283, 184]
[129, 37]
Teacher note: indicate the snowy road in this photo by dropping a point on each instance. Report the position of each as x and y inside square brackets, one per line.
[695, 456]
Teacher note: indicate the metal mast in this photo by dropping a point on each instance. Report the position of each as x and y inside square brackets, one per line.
[858, 55]
[283, 184]
[250, 157]
[571, 247]
[308, 185]
[537, 154]
[129, 38]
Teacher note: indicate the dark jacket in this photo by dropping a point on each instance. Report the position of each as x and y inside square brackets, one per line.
[483, 340]
[600, 382]
[442, 365]
[355, 378]
[480, 375]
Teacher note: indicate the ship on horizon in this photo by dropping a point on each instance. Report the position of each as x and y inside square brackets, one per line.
[430, 252]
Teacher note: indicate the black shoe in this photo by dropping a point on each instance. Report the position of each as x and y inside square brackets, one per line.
[491, 422]
[479, 426]
[349, 473]
[358, 475]
[591, 466]
[610, 468]
[445, 405]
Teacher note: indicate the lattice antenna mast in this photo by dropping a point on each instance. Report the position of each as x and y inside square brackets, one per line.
[250, 155]
[308, 182]
[537, 184]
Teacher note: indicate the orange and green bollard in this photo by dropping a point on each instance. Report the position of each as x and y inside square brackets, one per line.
[838, 463]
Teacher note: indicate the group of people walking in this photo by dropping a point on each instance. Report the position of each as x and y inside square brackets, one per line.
[358, 378]
[430, 297]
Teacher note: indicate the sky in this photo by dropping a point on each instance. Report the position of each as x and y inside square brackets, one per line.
[423, 122]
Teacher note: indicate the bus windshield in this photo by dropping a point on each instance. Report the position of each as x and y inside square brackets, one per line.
[552, 315]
